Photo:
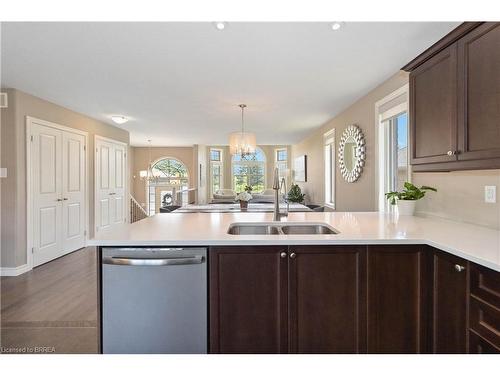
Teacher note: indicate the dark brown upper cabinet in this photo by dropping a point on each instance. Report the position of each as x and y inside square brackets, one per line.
[449, 306]
[479, 93]
[433, 109]
[455, 101]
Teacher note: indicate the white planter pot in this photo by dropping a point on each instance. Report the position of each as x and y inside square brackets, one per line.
[406, 207]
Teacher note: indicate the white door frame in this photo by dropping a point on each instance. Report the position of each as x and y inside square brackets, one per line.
[126, 173]
[379, 144]
[29, 186]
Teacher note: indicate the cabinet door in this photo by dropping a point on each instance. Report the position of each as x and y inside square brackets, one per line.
[327, 295]
[397, 299]
[449, 304]
[433, 110]
[479, 93]
[248, 299]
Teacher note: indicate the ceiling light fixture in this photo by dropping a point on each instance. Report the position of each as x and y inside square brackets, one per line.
[242, 142]
[220, 25]
[147, 175]
[119, 119]
[336, 26]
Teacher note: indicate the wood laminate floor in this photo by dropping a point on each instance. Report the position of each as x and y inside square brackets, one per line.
[53, 307]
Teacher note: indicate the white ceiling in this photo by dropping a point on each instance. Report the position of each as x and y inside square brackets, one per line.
[180, 83]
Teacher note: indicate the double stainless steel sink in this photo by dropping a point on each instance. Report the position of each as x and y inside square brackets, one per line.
[280, 228]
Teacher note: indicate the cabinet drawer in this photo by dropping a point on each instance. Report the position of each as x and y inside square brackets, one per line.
[478, 345]
[485, 320]
[485, 285]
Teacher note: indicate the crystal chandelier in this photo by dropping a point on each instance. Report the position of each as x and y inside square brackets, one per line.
[242, 142]
[148, 175]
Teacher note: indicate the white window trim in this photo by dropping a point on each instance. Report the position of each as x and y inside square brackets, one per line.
[215, 162]
[329, 198]
[380, 144]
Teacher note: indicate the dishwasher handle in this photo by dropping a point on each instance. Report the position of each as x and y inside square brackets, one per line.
[119, 261]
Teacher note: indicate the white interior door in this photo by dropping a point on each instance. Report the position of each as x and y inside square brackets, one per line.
[47, 193]
[118, 197]
[58, 192]
[110, 184]
[73, 191]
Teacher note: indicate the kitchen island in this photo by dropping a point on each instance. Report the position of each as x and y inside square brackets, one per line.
[381, 284]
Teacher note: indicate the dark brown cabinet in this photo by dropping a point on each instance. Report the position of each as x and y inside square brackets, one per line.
[327, 291]
[248, 299]
[350, 299]
[454, 101]
[449, 304]
[479, 93]
[305, 299]
[397, 299]
[433, 113]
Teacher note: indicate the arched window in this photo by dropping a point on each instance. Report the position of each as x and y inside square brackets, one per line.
[249, 170]
[173, 177]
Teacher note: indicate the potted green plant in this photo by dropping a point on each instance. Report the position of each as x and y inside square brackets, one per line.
[407, 199]
[295, 194]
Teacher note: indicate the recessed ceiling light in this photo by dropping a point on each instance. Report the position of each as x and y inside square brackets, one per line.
[220, 25]
[336, 26]
[119, 119]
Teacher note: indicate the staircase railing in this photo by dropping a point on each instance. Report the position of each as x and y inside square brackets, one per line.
[136, 211]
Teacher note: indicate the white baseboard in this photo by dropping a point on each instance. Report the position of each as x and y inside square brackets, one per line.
[14, 271]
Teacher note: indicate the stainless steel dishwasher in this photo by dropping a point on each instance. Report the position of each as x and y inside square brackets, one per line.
[154, 300]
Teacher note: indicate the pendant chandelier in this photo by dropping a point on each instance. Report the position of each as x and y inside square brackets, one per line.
[148, 175]
[242, 142]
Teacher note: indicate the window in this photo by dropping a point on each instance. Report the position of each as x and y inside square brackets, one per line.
[394, 169]
[173, 177]
[396, 152]
[216, 168]
[329, 155]
[249, 170]
[281, 162]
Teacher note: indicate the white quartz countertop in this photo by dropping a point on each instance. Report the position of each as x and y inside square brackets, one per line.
[477, 244]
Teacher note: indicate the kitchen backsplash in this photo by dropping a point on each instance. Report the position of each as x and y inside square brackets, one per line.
[460, 196]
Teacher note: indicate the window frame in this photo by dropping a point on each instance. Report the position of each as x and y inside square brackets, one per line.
[284, 163]
[220, 164]
[329, 164]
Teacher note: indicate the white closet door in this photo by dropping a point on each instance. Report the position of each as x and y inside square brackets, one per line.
[110, 184]
[73, 191]
[118, 197]
[46, 193]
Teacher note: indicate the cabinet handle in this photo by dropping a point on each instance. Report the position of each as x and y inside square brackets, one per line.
[65, 199]
[59, 199]
[451, 153]
[112, 193]
[283, 255]
[459, 268]
[293, 255]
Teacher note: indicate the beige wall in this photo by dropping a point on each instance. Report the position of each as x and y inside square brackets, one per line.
[358, 196]
[141, 161]
[14, 157]
[460, 196]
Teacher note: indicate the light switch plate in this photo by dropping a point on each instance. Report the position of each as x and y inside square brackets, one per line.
[490, 194]
[3, 172]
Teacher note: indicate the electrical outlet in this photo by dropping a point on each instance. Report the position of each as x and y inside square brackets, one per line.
[490, 194]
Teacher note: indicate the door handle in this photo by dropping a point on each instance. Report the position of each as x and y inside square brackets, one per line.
[118, 261]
